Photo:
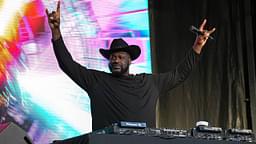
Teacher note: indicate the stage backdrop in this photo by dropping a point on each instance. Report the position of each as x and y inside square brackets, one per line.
[35, 93]
[221, 89]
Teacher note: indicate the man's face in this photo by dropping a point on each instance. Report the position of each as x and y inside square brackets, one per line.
[119, 63]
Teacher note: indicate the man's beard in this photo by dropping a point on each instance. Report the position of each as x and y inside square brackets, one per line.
[122, 71]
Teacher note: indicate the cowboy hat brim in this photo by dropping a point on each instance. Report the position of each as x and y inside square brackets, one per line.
[133, 50]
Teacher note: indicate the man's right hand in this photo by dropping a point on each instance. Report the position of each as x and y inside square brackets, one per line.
[54, 22]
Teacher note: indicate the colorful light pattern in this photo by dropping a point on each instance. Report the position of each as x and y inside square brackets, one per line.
[35, 93]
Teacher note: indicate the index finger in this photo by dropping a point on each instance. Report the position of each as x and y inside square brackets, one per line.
[212, 30]
[47, 12]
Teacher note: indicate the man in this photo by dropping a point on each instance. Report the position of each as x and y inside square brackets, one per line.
[118, 95]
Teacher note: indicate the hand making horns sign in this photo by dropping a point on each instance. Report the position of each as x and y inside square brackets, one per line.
[54, 21]
[202, 38]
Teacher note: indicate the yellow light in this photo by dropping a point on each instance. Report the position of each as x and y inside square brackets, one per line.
[9, 9]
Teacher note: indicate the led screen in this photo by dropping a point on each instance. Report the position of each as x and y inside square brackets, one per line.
[34, 93]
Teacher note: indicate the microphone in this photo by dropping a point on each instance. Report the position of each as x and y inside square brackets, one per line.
[198, 32]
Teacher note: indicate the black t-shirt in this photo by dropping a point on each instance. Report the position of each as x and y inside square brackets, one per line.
[125, 98]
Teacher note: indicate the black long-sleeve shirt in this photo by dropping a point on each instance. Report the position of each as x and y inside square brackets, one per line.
[127, 98]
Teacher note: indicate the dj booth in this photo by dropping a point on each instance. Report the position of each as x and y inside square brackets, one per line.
[138, 133]
[126, 139]
[137, 139]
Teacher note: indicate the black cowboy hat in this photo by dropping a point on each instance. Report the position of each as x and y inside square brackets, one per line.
[120, 45]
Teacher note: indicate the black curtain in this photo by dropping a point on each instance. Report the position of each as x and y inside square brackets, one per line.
[221, 89]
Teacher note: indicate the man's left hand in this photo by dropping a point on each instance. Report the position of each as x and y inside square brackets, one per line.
[202, 38]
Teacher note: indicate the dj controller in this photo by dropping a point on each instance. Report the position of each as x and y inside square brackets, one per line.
[199, 132]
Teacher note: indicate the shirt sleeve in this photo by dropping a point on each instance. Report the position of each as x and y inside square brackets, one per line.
[78, 73]
[168, 80]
